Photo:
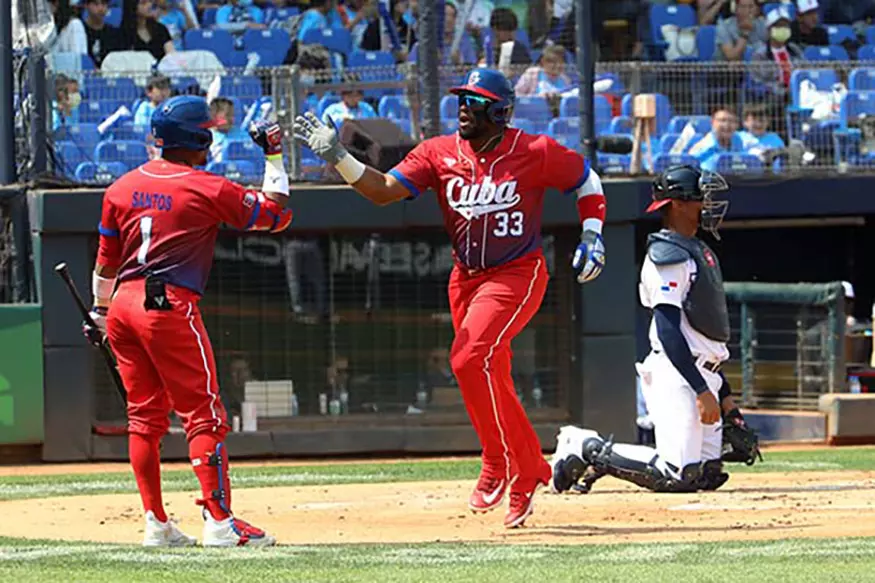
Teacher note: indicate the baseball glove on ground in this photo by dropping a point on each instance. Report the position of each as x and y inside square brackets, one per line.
[740, 442]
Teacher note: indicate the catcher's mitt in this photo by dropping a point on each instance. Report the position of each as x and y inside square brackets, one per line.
[740, 442]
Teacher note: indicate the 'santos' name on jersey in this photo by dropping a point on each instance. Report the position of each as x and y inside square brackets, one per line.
[473, 200]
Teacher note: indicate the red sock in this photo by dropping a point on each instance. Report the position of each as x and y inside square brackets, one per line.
[213, 478]
[146, 462]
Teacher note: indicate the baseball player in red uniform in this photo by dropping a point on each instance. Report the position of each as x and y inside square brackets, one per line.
[158, 231]
[490, 181]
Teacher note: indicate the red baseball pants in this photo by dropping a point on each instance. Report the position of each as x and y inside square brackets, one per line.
[166, 362]
[489, 308]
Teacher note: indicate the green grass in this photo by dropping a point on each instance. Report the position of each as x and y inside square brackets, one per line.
[799, 561]
[19, 487]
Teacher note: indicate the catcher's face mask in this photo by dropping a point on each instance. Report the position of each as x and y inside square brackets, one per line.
[713, 211]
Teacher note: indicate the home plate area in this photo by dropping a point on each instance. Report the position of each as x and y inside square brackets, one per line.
[750, 506]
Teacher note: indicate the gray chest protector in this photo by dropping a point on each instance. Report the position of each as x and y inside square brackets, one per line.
[705, 304]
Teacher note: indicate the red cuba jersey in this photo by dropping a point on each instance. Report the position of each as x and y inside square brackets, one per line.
[492, 202]
[163, 218]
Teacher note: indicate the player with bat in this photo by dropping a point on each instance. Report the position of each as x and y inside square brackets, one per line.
[490, 181]
[158, 231]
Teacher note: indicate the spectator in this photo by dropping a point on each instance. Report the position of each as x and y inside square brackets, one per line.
[71, 32]
[722, 138]
[238, 15]
[320, 15]
[357, 16]
[222, 110]
[351, 106]
[466, 53]
[142, 31]
[404, 15]
[745, 30]
[157, 90]
[548, 77]
[806, 28]
[102, 38]
[848, 11]
[756, 137]
[175, 19]
[504, 24]
[233, 392]
[775, 59]
[65, 105]
[709, 11]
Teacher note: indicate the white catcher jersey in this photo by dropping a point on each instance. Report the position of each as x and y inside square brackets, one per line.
[669, 284]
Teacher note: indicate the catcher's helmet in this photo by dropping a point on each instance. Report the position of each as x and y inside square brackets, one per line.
[183, 122]
[689, 183]
[493, 85]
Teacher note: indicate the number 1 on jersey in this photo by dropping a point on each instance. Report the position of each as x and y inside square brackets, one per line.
[146, 234]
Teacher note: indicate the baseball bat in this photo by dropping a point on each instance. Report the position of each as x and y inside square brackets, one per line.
[64, 273]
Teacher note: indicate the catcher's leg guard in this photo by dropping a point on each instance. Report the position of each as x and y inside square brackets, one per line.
[712, 476]
[619, 460]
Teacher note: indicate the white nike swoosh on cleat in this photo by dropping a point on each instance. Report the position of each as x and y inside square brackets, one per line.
[491, 497]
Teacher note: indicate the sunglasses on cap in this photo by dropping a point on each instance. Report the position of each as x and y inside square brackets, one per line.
[474, 101]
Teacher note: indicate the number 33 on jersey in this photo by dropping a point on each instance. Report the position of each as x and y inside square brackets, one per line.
[492, 202]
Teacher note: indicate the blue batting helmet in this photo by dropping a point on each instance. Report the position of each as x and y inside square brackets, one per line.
[493, 85]
[183, 122]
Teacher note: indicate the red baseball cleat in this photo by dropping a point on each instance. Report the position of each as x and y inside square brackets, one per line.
[522, 501]
[489, 492]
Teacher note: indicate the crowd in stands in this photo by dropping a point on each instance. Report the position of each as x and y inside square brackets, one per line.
[779, 43]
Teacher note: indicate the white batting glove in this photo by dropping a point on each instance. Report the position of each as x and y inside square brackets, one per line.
[320, 138]
[589, 258]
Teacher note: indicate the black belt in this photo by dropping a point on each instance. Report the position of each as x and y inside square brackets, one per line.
[713, 367]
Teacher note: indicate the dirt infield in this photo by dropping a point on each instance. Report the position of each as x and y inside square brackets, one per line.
[750, 506]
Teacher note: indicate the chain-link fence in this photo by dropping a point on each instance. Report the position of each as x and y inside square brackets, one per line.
[361, 321]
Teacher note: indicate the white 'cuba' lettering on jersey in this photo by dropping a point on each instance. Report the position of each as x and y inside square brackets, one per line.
[474, 200]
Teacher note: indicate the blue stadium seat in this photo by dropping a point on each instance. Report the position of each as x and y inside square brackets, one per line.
[663, 161]
[374, 66]
[823, 79]
[128, 152]
[110, 88]
[87, 63]
[324, 102]
[737, 163]
[663, 110]
[244, 150]
[83, 134]
[393, 107]
[701, 123]
[839, 33]
[450, 107]
[861, 80]
[128, 131]
[870, 35]
[246, 88]
[706, 42]
[603, 114]
[97, 111]
[271, 44]
[449, 126]
[622, 124]
[404, 124]
[563, 127]
[113, 17]
[681, 15]
[613, 163]
[281, 14]
[829, 53]
[68, 156]
[667, 141]
[569, 106]
[218, 41]
[208, 18]
[102, 173]
[337, 40]
[616, 83]
[858, 103]
[523, 37]
[532, 107]
[526, 125]
[236, 170]
[866, 53]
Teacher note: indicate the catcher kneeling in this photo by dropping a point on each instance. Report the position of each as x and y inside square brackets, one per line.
[687, 396]
[583, 456]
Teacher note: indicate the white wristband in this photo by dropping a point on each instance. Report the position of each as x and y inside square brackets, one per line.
[275, 177]
[101, 289]
[350, 168]
[593, 225]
